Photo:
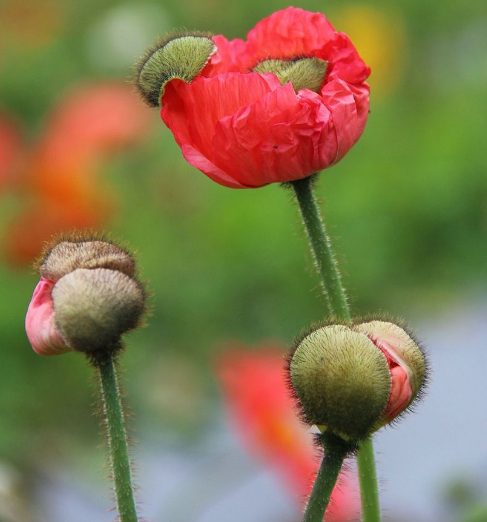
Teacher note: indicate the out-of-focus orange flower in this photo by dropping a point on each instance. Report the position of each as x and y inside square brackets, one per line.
[61, 174]
[260, 407]
[10, 146]
[380, 36]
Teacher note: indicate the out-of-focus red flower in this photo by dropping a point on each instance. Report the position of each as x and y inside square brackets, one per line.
[259, 405]
[61, 174]
[10, 147]
[246, 129]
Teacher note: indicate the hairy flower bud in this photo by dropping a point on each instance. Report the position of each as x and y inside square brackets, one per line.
[181, 56]
[93, 307]
[303, 73]
[66, 256]
[352, 379]
[87, 298]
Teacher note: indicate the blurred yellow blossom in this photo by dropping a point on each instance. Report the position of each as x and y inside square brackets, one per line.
[380, 38]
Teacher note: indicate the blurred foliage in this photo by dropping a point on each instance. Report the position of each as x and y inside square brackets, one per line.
[407, 207]
[466, 500]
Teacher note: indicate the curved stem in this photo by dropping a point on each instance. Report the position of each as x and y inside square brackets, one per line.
[336, 299]
[326, 264]
[335, 452]
[117, 437]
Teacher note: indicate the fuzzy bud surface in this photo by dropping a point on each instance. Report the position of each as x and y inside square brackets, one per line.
[353, 379]
[86, 299]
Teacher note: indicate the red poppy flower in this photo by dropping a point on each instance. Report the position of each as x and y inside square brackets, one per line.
[245, 125]
[264, 415]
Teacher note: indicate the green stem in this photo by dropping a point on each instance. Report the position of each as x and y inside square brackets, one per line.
[321, 246]
[336, 299]
[117, 437]
[336, 450]
[369, 490]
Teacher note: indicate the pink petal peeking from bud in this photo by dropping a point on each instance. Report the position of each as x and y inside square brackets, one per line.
[39, 322]
[401, 389]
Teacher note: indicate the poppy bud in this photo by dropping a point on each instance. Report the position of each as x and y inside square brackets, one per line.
[303, 73]
[181, 56]
[86, 299]
[351, 380]
[66, 256]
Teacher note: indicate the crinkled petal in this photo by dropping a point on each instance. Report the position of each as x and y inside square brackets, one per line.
[349, 107]
[344, 60]
[281, 137]
[288, 33]
[191, 111]
[39, 322]
[231, 56]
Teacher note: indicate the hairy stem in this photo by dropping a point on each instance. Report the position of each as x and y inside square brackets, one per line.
[336, 450]
[320, 243]
[369, 490]
[336, 299]
[117, 437]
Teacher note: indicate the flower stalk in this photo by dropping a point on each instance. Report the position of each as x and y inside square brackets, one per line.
[369, 489]
[116, 436]
[337, 304]
[336, 449]
[320, 243]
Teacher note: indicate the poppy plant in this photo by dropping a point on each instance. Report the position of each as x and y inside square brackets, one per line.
[260, 407]
[287, 102]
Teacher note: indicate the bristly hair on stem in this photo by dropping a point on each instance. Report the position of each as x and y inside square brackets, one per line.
[337, 304]
[321, 247]
[114, 418]
[335, 452]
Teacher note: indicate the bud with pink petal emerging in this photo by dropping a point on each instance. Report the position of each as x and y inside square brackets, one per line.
[87, 298]
[352, 379]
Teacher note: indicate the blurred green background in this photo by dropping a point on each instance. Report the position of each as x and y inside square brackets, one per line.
[407, 208]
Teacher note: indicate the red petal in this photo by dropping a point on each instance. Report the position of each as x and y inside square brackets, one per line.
[192, 111]
[231, 56]
[288, 33]
[279, 138]
[401, 391]
[349, 107]
[345, 62]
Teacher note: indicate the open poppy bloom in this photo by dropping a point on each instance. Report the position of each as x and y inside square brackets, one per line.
[260, 406]
[287, 102]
